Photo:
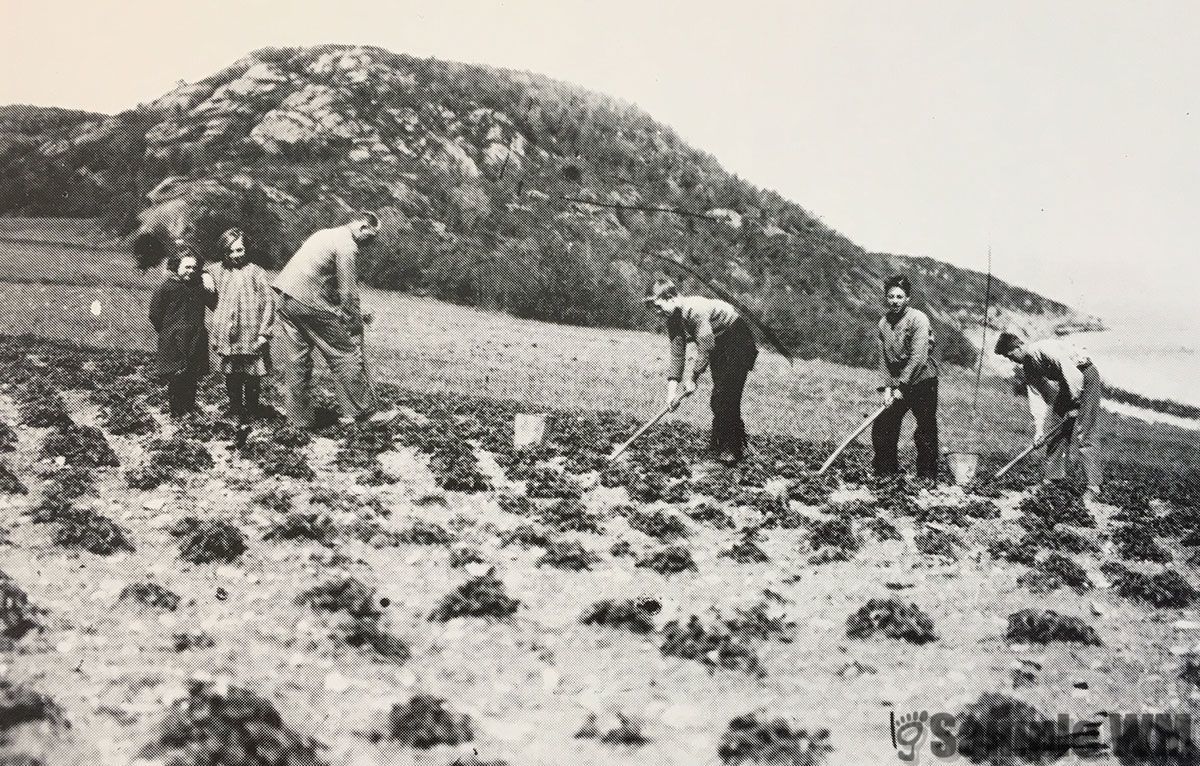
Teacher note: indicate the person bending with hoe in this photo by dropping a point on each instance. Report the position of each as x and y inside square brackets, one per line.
[906, 345]
[319, 306]
[1066, 395]
[724, 341]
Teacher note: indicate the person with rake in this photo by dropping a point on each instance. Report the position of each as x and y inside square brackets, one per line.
[911, 383]
[1064, 391]
[319, 307]
[723, 341]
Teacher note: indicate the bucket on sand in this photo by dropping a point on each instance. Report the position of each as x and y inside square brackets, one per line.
[963, 466]
[528, 430]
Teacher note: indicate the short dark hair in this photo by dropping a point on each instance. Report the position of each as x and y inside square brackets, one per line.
[368, 216]
[898, 280]
[1006, 343]
[661, 288]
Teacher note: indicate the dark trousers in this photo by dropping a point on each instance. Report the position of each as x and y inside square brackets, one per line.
[922, 399]
[732, 359]
[181, 393]
[243, 389]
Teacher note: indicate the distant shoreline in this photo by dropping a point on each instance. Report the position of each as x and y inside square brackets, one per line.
[1161, 406]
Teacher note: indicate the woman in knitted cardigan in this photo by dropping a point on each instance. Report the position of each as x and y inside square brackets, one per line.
[242, 326]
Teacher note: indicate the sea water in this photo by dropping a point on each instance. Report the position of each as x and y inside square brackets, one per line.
[1152, 361]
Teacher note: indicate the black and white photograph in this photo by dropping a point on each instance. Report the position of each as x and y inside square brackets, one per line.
[564, 383]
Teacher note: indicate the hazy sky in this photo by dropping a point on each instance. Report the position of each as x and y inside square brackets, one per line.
[1062, 134]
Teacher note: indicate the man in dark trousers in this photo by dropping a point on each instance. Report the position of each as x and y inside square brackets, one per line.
[1066, 394]
[319, 306]
[911, 383]
[724, 341]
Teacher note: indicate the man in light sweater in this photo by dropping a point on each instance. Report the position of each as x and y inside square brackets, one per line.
[725, 342]
[910, 372]
[319, 306]
[1066, 390]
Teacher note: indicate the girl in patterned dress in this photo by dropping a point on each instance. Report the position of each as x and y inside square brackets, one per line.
[242, 326]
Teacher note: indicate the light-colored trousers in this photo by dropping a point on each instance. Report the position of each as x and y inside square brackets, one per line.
[303, 329]
[1084, 434]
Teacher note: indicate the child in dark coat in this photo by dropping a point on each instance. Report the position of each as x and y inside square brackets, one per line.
[177, 313]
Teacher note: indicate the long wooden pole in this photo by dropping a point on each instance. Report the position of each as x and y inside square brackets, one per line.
[1025, 453]
[852, 437]
[646, 427]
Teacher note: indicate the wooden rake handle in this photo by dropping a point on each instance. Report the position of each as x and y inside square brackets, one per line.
[1025, 452]
[846, 443]
[647, 426]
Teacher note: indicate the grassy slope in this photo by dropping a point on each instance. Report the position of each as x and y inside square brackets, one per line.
[427, 345]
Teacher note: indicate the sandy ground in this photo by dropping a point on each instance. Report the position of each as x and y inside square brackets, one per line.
[530, 682]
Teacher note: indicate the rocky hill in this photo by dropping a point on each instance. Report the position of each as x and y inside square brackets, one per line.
[497, 188]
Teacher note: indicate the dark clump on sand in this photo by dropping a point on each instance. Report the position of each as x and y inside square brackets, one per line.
[710, 513]
[570, 515]
[999, 729]
[893, 619]
[1135, 543]
[525, 535]
[746, 551]
[881, 529]
[150, 594]
[128, 418]
[426, 533]
[303, 526]
[233, 726]
[426, 721]
[835, 533]
[670, 560]
[9, 483]
[1054, 572]
[366, 631]
[568, 554]
[1032, 626]
[772, 742]
[938, 542]
[183, 642]
[344, 595]
[483, 596]
[1165, 590]
[92, 532]
[17, 614]
[80, 446]
[203, 542]
[1058, 502]
[180, 454]
[658, 524]
[713, 646]
[636, 616]
[1023, 551]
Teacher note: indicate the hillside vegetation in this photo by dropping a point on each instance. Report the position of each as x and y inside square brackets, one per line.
[482, 176]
